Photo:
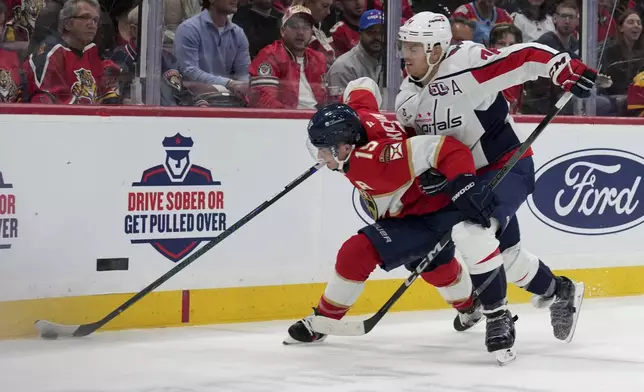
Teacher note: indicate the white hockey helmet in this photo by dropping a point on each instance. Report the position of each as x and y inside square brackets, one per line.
[429, 29]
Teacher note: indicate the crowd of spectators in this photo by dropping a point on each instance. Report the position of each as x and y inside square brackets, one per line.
[287, 53]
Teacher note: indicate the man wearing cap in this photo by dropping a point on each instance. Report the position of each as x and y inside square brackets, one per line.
[365, 58]
[288, 73]
[346, 33]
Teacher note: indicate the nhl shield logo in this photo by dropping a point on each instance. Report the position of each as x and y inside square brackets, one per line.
[176, 205]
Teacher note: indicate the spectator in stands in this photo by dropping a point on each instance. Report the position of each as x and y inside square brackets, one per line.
[566, 20]
[261, 23]
[320, 9]
[12, 80]
[191, 7]
[511, 6]
[501, 36]
[345, 34]
[3, 19]
[289, 73]
[624, 59]
[281, 5]
[540, 94]
[406, 8]
[365, 58]
[47, 24]
[12, 7]
[605, 20]
[22, 25]
[533, 21]
[462, 29]
[433, 6]
[125, 56]
[174, 13]
[119, 14]
[213, 50]
[67, 67]
[484, 15]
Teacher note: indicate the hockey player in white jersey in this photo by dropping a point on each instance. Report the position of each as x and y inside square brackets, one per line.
[455, 90]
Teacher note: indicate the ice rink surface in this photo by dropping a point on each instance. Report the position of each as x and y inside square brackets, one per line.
[410, 351]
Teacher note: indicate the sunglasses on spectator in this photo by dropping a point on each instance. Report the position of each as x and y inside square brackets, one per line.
[86, 18]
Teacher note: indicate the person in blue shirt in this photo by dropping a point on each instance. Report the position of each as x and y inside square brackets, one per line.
[211, 49]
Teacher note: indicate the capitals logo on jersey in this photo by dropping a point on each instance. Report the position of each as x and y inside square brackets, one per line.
[176, 205]
[8, 219]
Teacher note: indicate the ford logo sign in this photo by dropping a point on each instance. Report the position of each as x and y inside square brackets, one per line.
[590, 192]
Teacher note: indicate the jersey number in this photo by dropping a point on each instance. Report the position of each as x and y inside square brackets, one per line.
[369, 147]
[486, 53]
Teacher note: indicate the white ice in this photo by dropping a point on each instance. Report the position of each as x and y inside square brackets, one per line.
[410, 351]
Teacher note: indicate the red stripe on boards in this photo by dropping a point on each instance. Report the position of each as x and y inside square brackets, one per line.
[185, 306]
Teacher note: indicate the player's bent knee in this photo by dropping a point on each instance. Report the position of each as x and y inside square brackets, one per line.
[478, 246]
[357, 258]
[520, 265]
[451, 281]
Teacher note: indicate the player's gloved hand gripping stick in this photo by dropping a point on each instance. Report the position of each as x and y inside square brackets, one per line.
[331, 326]
[51, 330]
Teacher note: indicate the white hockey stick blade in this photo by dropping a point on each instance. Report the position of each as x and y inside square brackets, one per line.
[580, 290]
[52, 330]
[329, 326]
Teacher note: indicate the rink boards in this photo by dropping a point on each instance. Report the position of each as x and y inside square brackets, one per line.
[94, 207]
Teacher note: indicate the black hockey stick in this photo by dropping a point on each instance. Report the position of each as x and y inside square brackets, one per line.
[52, 330]
[331, 326]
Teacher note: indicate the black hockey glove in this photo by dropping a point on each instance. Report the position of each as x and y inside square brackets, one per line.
[474, 199]
[432, 181]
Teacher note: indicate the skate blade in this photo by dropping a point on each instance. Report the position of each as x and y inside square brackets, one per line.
[460, 327]
[505, 356]
[580, 289]
[289, 341]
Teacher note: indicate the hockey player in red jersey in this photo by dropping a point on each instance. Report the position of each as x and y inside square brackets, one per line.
[456, 90]
[411, 214]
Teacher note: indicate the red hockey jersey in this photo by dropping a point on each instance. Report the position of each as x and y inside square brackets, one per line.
[385, 169]
[57, 73]
[345, 37]
[11, 76]
[482, 26]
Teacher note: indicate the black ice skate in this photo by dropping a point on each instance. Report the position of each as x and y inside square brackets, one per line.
[469, 317]
[302, 332]
[565, 305]
[500, 335]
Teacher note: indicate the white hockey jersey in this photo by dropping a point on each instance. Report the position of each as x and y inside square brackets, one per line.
[465, 101]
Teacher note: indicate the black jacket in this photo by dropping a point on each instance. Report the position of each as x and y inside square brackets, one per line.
[261, 30]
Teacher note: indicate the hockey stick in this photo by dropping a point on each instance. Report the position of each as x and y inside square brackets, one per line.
[331, 326]
[51, 330]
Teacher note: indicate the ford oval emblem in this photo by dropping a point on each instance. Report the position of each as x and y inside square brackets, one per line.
[590, 192]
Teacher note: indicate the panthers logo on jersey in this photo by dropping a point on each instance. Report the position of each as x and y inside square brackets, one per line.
[84, 89]
[369, 204]
[8, 88]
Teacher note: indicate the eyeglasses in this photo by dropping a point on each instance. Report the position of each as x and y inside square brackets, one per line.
[87, 18]
[567, 16]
